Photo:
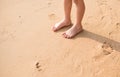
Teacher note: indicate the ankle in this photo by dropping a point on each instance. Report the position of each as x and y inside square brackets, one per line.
[67, 21]
[78, 25]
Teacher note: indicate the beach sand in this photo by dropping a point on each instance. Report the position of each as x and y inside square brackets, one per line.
[29, 48]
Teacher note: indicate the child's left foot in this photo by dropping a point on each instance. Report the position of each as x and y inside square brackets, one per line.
[73, 31]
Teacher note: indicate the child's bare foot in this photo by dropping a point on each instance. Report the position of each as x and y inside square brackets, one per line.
[61, 24]
[73, 31]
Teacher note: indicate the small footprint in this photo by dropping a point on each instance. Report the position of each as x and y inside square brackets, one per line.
[38, 66]
[106, 49]
[117, 25]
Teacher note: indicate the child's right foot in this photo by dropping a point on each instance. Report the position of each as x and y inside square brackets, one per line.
[60, 25]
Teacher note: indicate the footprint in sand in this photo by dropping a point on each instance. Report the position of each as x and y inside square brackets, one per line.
[118, 25]
[106, 49]
[41, 65]
[38, 66]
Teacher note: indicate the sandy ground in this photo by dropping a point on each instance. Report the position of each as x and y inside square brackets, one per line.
[28, 47]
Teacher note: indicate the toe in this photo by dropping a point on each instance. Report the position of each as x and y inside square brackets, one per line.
[54, 29]
[64, 35]
[68, 37]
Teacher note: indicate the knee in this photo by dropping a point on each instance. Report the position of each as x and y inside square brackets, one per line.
[75, 1]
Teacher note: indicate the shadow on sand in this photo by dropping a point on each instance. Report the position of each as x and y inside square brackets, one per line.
[115, 44]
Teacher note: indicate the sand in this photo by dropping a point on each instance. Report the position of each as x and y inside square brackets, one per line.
[28, 47]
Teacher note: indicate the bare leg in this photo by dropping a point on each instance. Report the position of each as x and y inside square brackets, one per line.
[67, 20]
[77, 27]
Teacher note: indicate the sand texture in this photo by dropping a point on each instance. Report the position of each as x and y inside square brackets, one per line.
[29, 48]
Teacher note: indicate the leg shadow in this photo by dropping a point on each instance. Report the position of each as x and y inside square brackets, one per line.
[87, 34]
